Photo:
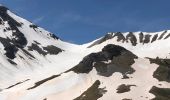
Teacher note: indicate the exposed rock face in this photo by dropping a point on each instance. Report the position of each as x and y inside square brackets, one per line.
[105, 38]
[53, 50]
[36, 48]
[167, 36]
[162, 35]
[124, 88]
[141, 36]
[147, 39]
[34, 27]
[45, 50]
[133, 38]
[126, 99]
[18, 41]
[162, 73]
[154, 38]
[119, 36]
[93, 92]
[120, 61]
[43, 81]
[160, 93]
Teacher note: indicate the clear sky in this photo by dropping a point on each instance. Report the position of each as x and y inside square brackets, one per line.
[81, 21]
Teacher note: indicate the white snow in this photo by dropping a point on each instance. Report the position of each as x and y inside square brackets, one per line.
[71, 85]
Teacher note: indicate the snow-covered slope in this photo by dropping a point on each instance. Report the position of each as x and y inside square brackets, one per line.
[141, 43]
[36, 65]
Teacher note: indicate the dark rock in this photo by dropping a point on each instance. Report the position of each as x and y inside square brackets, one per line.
[160, 93]
[43, 81]
[8, 28]
[132, 38]
[4, 30]
[37, 48]
[33, 26]
[146, 39]
[21, 57]
[17, 84]
[167, 36]
[162, 73]
[11, 51]
[124, 88]
[141, 37]
[161, 36]
[53, 36]
[120, 64]
[126, 99]
[19, 38]
[154, 38]
[10, 48]
[18, 41]
[6, 17]
[37, 43]
[1, 21]
[12, 62]
[93, 92]
[121, 61]
[119, 36]
[28, 54]
[105, 38]
[52, 49]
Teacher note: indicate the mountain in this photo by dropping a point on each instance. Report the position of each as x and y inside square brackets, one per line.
[37, 65]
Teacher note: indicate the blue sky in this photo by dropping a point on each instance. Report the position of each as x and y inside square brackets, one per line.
[81, 21]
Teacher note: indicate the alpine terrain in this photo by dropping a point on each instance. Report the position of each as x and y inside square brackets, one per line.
[37, 65]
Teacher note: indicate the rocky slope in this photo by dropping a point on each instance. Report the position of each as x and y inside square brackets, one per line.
[36, 65]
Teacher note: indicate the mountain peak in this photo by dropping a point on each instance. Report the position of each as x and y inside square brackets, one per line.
[36, 65]
[3, 9]
[134, 38]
